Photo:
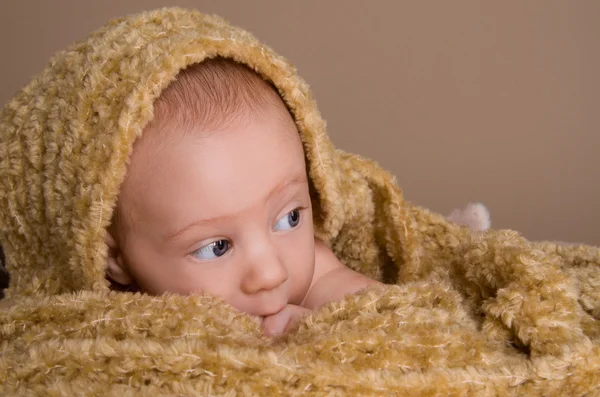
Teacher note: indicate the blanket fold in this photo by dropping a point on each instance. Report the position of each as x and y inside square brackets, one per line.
[462, 312]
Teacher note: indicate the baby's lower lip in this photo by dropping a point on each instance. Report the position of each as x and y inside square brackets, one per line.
[270, 313]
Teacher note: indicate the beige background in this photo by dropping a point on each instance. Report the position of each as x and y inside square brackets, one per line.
[497, 102]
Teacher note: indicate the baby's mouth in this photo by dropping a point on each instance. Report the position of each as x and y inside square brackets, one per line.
[272, 312]
[268, 305]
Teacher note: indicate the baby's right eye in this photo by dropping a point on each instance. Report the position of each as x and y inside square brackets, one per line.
[211, 251]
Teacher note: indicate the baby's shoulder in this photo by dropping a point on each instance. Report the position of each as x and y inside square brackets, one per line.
[332, 280]
[325, 259]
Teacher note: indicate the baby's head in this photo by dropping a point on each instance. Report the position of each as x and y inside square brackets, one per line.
[216, 196]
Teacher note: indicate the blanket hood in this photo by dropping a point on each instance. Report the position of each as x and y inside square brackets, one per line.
[65, 139]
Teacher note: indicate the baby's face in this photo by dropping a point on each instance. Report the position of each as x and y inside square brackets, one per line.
[224, 212]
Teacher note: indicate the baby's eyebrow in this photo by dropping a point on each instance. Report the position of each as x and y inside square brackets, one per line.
[298, 179]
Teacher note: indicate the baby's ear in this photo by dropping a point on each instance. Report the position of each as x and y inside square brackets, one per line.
[115, 269]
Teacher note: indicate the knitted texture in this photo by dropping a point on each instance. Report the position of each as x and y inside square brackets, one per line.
[465, 313]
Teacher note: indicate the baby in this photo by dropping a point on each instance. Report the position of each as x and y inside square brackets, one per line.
[216, 200]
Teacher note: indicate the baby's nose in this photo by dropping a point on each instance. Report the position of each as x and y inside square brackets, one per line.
[264, 273]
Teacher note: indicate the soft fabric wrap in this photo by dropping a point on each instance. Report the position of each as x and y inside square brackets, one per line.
[465, 313]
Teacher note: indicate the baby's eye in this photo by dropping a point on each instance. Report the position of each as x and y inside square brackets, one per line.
[211, 251]
[289, 220]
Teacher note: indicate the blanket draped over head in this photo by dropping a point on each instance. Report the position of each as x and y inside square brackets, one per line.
[463, 312]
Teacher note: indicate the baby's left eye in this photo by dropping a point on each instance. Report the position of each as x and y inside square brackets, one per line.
[288, 221]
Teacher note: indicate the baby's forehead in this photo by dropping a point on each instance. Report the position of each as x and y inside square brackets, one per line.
[226, 169]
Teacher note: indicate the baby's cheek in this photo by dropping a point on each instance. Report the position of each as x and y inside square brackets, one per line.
[168, 277]
[305, 274]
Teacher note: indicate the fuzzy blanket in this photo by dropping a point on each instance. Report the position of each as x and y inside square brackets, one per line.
[464, 313]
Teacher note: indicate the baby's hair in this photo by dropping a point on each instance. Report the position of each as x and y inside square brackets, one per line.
[210, 95]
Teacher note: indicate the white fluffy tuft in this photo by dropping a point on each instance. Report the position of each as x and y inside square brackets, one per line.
[475, 215]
